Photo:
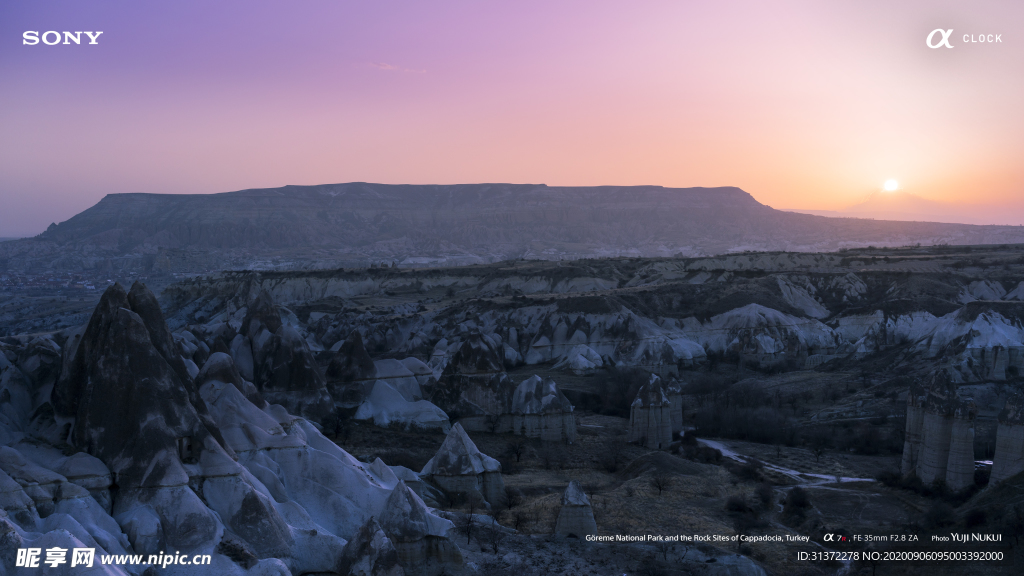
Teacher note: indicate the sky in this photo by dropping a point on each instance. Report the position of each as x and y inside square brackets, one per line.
[803, 104]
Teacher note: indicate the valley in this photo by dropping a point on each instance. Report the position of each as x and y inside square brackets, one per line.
[787, 377]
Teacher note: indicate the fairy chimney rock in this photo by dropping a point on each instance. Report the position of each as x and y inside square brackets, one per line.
[960, 466]
[650, 416]
[1009, 455]
[939, 443]
[540, 410]
[460, 467]
[370, 553]
[915, 422]
[419, 537]
[674, 391]
[576, 518]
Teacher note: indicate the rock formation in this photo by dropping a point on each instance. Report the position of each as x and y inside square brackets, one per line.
[283, 367]
[983, 344]
[764, 336]
[936, 432]
[20, 399]
[164, 462]
[419, 537]
[40, 362]
[940, 434]
[370, 553]
[580, 359]
[540, 410]
[767, 320]
[1009, 454]
[960, 463]
[576, 518]
[126, 364]
[135, 407]
[584, 342]
[385, 392]
[351, 373]
[460, 467]
[674, 391]
[398, 375]
[912, 441]
[385, 406]
[475, 387]
[474, 384]
[650, 416]
[220, 367]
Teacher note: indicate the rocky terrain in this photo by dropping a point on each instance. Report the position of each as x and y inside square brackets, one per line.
[959, 306]
[114, 441]
[360, 224]
[483, 419]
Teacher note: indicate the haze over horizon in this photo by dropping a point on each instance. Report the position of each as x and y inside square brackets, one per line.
[904, 206]
[800, 104]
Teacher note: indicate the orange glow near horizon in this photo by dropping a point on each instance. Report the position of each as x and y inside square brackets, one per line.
[802, 104]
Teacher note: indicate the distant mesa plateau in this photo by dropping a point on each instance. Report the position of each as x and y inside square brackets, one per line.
[360, 224]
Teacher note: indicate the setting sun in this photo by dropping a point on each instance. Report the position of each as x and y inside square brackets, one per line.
[891, 185]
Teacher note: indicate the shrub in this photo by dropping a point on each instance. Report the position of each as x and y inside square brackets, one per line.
[661, 482]
[515, 449]
[744, 517]
[796, 501]
[749, 470]
[512, 497]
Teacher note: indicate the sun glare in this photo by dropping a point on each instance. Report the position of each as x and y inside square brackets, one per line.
[891, 185]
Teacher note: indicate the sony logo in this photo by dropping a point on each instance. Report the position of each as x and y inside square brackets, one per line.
[52, 37]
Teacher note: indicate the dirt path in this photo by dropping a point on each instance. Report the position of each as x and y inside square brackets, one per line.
[801, 478]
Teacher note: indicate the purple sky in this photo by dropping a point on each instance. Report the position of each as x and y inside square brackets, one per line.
[803, 104]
